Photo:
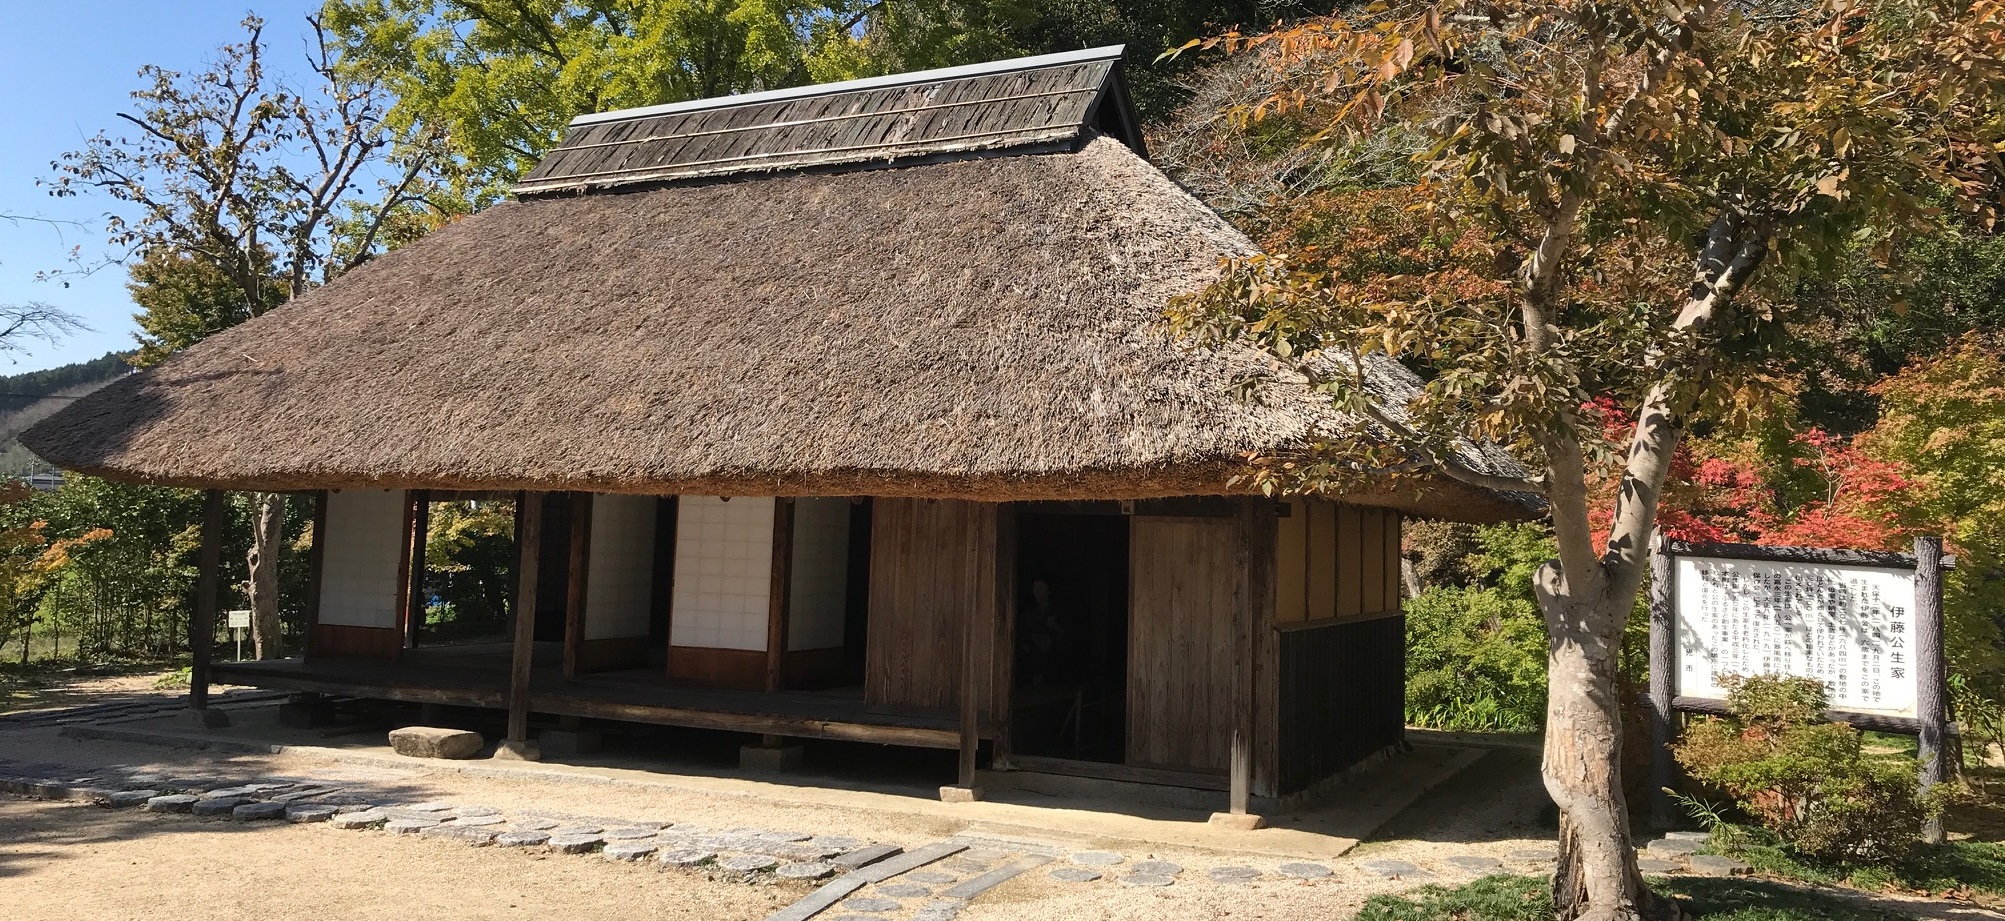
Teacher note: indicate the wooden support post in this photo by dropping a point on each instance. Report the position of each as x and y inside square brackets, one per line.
[1931, 682]
[776, 608]
[529, 541]
[970, 722]
[316, 562]
[1254, 541]
[1663, 684]
[575, 579]
[1002, 648]
[202, 621]
[411, 572]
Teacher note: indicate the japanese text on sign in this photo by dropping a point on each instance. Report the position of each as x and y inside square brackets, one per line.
[1848, 626]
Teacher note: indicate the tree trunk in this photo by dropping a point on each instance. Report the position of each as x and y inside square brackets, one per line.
[1596, 877]
[267, 540]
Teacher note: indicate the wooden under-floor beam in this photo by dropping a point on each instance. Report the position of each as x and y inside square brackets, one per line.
[529, 543]
[202, 621]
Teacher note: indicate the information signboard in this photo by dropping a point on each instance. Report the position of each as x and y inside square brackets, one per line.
[1867, 624]
[1849, 626]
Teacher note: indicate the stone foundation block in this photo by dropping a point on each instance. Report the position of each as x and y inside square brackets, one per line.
[958, 794]
[511, 750]
[569, 741]
[769, 759]
[205, 718]
[434, 742]
[1237, 821]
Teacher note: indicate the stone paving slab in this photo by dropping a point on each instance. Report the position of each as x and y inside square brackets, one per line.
[575, 843]
[172, 802]
[1304, 870]
[1146, 880]
[1231, 876]
[521, 839]
[127, 798]
[253, 812]
[221, 806]
[968, 889]
[1714, 865]
[367, 818]
[748, 863]
[686, 857]
[300, 813]
[1097, 858]
[812, 869]
[910, 860]
[466, 834]
[1390, 869]
[1075, 874]
[902, 891]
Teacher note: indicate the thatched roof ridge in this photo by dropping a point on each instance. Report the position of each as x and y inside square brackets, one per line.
[1044, 101]
[988, 328]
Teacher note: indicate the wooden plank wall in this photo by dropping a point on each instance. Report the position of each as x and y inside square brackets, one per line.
[932, 575]
[1183, 581]
[1336, 561]
[1340, 651]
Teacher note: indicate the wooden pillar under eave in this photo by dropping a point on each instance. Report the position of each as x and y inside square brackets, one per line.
[529, 542]
[1254, 543]
[963, 790]
[202, 621]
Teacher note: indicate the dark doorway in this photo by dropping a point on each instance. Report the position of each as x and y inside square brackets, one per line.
[1071, 668]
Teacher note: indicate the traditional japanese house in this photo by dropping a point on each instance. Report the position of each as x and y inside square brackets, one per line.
[839, 412]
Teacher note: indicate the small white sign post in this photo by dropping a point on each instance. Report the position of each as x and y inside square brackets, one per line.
[1868, 625]
[240, 621]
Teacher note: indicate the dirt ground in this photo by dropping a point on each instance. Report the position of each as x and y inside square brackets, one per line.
[63, 862]
[71, 861]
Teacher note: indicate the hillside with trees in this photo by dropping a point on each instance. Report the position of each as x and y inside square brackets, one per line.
[27, 398]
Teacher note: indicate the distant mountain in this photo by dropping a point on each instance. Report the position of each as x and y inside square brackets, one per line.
[28, 398]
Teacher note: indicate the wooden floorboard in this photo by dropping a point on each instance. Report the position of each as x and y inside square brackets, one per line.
[640, 698]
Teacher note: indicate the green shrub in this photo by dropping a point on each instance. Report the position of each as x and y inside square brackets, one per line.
[1476, 653]
[1806, 780]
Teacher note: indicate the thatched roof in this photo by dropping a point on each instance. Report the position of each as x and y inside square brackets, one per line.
[986, 327]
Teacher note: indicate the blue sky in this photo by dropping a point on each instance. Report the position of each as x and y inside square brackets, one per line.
[65, 71]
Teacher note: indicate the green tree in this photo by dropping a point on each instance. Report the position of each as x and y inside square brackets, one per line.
[502, 80]
[1631, 187]
[183, 300]
[1944, 419]
[235, 174]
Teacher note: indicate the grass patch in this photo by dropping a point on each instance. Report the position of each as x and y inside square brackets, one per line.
[1972, 870]
[1525, 898]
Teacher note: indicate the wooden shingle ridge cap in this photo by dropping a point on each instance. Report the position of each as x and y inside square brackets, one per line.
[936, 75]
[1022, 105]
